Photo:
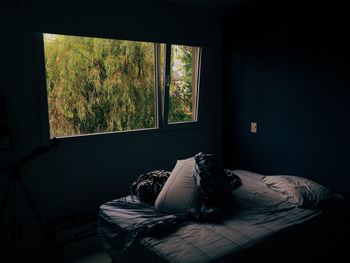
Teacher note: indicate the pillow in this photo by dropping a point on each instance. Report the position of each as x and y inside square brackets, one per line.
[299, 191]
[147, 186]
[180, 194]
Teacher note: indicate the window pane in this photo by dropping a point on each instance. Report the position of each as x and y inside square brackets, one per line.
[97, 85]
[183, 84]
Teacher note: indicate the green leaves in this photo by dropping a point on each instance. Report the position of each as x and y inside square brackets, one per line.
[180, 102]
[97, 85]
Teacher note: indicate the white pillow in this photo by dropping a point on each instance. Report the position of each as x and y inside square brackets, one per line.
[180, 194]
[299, 191]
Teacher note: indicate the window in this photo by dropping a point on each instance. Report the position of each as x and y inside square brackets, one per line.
[183, 84]
[98, 85]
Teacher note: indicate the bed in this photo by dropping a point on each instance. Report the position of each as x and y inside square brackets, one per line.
[260, 225]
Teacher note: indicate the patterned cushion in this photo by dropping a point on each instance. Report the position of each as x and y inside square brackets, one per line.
[216, 184]
[147, 186]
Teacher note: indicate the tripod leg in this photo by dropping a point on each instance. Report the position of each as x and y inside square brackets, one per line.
[17, 231]
[35, 210]
[5, 198]
[6, 204]
[31, 203]
[14, 244]
[14, 207]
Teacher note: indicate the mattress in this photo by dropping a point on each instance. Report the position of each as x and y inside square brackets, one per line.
[259, 220]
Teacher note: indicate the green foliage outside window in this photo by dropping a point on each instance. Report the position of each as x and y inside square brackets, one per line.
[180, 94]
[97, 85]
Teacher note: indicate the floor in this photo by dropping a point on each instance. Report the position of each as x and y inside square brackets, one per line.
[99, 257]
[87, 250]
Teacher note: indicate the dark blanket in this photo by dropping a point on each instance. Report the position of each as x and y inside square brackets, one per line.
[125, 219]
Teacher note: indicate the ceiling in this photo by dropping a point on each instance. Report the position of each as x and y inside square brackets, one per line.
[217, 4]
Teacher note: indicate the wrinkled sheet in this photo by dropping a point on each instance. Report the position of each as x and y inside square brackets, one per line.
[256, 214]
[125, 219]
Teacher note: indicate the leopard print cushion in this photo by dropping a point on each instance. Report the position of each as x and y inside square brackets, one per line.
[147, 186]
[216, 184]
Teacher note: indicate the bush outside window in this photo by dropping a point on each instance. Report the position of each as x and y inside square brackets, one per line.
[98, 85]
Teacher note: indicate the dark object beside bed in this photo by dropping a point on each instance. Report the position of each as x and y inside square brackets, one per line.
[260, 225]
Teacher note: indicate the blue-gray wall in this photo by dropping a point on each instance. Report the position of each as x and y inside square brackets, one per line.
[287, 68]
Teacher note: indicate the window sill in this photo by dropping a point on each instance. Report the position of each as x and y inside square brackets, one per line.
[140, 132]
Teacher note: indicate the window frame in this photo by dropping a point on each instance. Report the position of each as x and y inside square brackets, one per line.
[161, 95]
[180, 124]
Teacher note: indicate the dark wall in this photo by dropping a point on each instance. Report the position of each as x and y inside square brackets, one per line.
[84, 172]
[288, 70]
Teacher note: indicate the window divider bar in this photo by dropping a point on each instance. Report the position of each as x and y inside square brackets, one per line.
[166, 85]
[158, 89]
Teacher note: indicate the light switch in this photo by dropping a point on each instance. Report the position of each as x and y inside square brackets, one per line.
[253, 127]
